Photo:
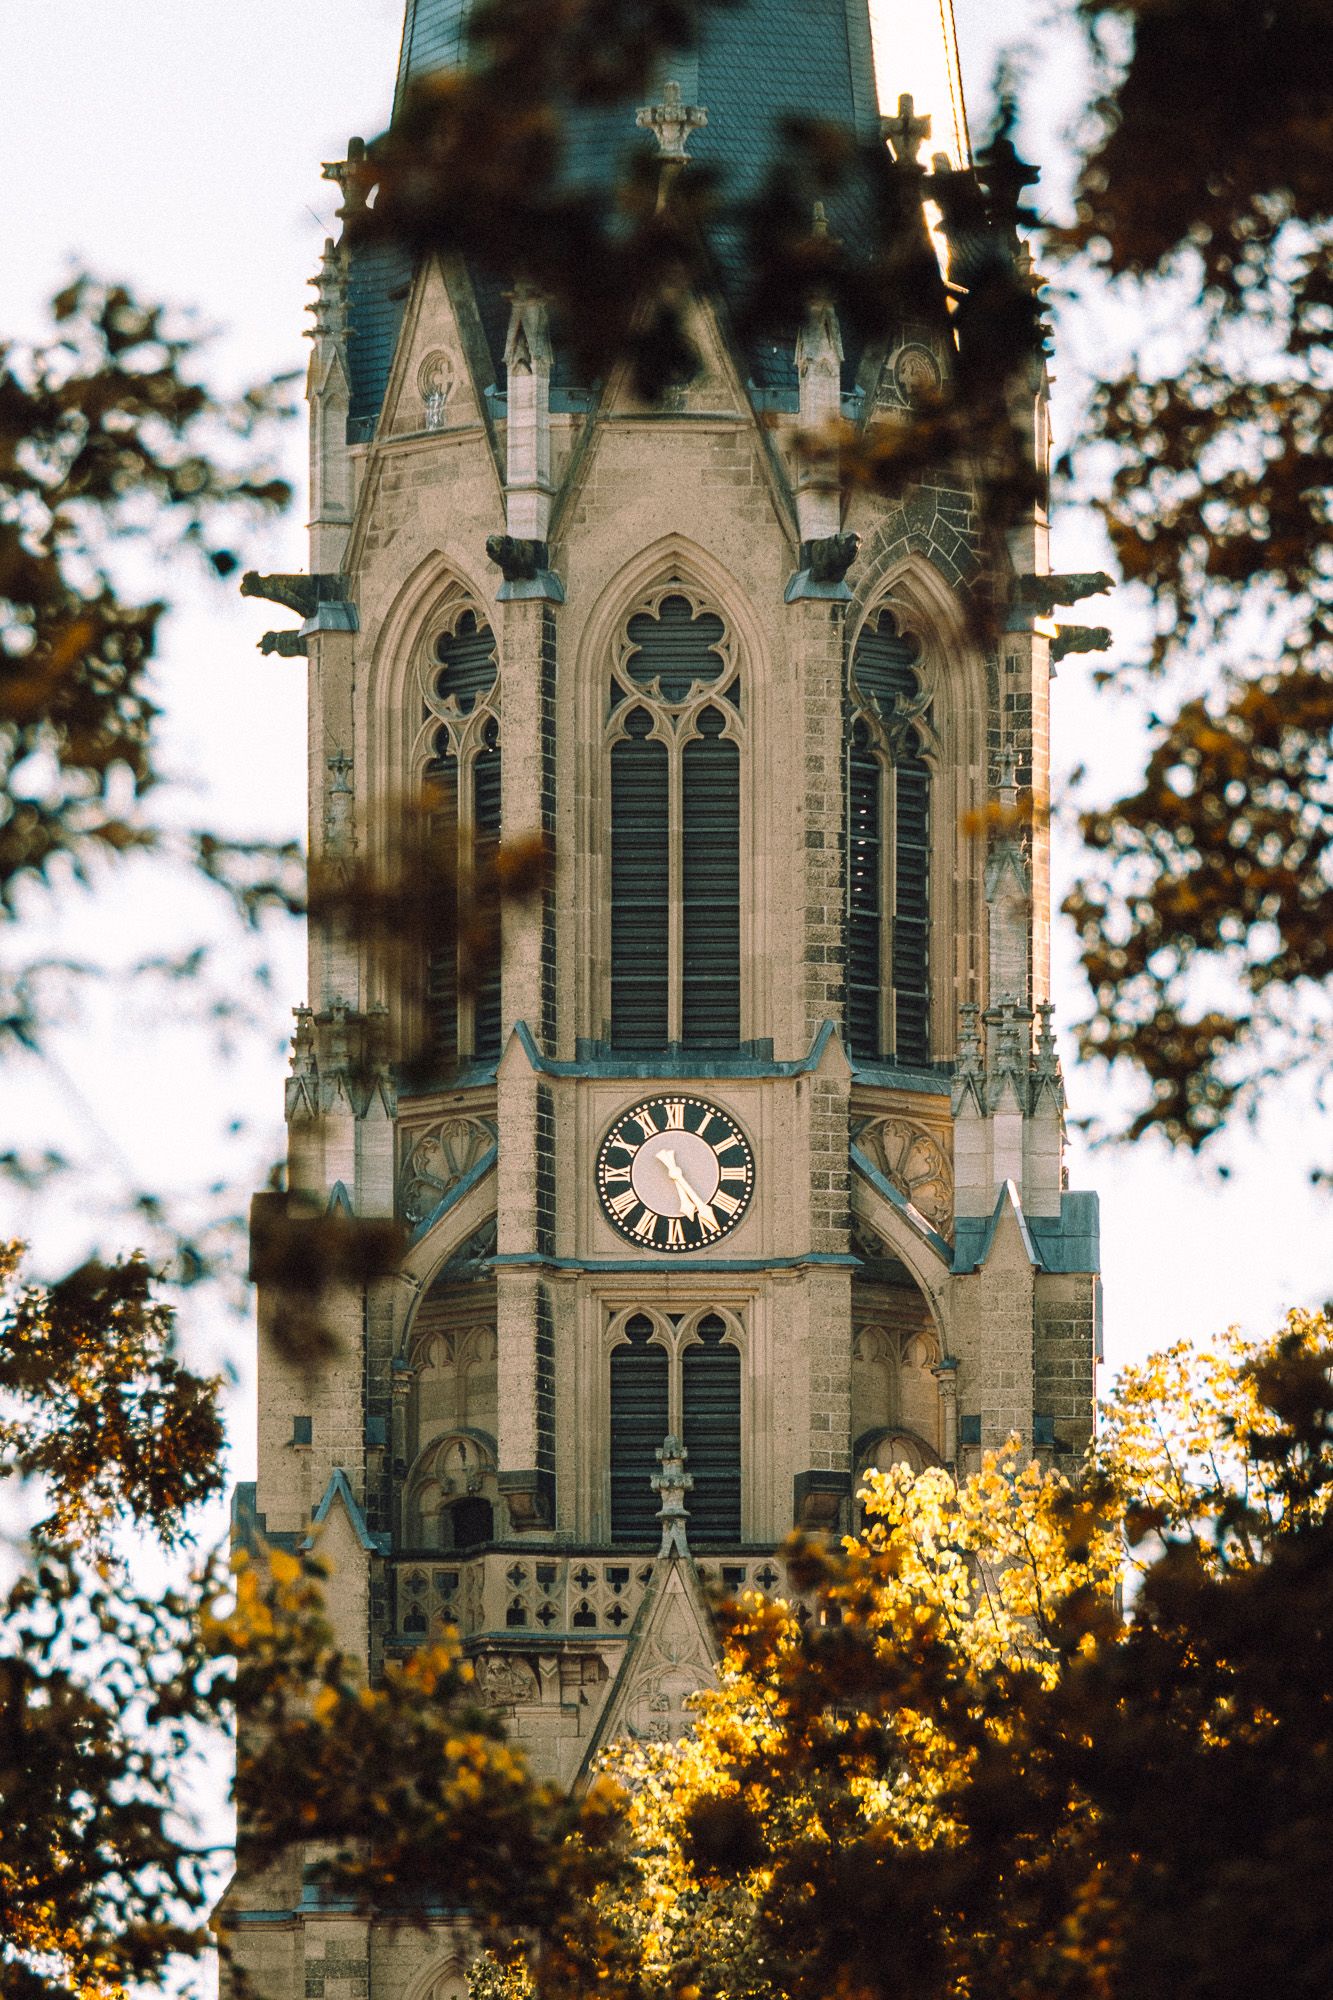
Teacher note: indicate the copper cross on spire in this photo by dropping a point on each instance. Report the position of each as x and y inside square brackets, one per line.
[672, 120]
[905, 132]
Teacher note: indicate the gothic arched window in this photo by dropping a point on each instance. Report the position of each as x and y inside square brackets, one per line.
[888, 852]
[675, 732]
[681, 1377]
[462, 781]
[711, 1424]
[640, 1420]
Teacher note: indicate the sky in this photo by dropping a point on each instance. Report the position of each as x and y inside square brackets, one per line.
[177, 144]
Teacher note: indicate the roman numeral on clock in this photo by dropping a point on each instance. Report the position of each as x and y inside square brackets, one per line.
[621, 1205]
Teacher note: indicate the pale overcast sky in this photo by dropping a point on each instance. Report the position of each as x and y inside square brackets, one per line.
[177, 144]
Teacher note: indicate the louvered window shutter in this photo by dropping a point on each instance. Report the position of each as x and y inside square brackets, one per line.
[468, 666]
[442, 951]
[711, 997]
[865, 894]
[911, 914]
[886, 675]
[486, 843]
[639, 1422]
[639, 889]
[711, 1390]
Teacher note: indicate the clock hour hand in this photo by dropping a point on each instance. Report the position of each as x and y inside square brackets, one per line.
[690, 1203]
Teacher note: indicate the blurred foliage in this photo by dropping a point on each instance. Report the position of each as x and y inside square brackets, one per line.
[105, 1685]
[105, 434]
[1206, 916]
[477, 165]
[957, 1761]
[962, 1765]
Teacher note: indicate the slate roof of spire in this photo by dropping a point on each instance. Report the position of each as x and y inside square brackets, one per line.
[759, 61]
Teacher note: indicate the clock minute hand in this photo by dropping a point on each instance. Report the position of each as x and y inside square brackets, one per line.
[692, 1204]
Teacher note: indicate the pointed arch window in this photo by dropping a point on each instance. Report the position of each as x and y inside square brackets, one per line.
[675, 736]
[462, 789]
[672, 1376]
[888, 851]
[640, 1420]
[711, 1425]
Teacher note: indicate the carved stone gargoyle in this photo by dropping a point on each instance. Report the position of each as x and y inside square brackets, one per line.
[1079, 639]
[1039, 595]
[517, 559]
[295, 592]
[829, 559]
[299, 593]
[286, 644]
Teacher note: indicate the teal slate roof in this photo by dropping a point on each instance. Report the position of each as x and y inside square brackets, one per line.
[758, 62]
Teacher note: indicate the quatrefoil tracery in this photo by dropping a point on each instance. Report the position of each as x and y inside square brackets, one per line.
[674, 691]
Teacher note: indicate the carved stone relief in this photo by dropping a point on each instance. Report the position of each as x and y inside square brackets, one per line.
[503, 1680]
[435, 378]
[438, 1160]
[912, 1159]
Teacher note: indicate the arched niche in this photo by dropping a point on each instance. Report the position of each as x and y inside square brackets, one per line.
[451, 1500]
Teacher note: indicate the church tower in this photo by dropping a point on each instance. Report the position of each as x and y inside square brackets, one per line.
[752, 1138]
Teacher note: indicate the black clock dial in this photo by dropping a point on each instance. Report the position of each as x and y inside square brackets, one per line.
[675, 1174]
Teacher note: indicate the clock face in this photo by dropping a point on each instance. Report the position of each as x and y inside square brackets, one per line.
[675, 1174]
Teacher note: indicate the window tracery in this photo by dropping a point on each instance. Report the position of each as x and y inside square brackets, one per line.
[674, 733]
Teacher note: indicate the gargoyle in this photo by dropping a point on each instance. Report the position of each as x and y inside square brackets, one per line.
[829, 559]
[1039, 595]
[287, 644]
[518, 560]
[1078, 639]
[298, 592]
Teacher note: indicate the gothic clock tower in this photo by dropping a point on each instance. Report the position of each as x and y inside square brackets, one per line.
[754, 1139]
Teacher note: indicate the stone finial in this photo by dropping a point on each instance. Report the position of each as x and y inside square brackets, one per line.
[1009, 1064]
[303, 1042]
[1047, 1060]
[969, 1040]
[329, 309]
[673, 1482]
[905, 132]
[672, 121]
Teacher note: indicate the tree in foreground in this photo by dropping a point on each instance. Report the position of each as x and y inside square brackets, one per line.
[956, 1762]
[962, 1765]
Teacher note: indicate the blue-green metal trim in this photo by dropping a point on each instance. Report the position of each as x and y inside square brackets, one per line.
[886, 1076]
[801, 586]
[338, 1489]
[676, 1063]
[452, 1196]
[913, 1217]
[545, 586]
[724, 1265]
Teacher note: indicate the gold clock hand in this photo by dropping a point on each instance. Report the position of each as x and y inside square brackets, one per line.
[691, 1203]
